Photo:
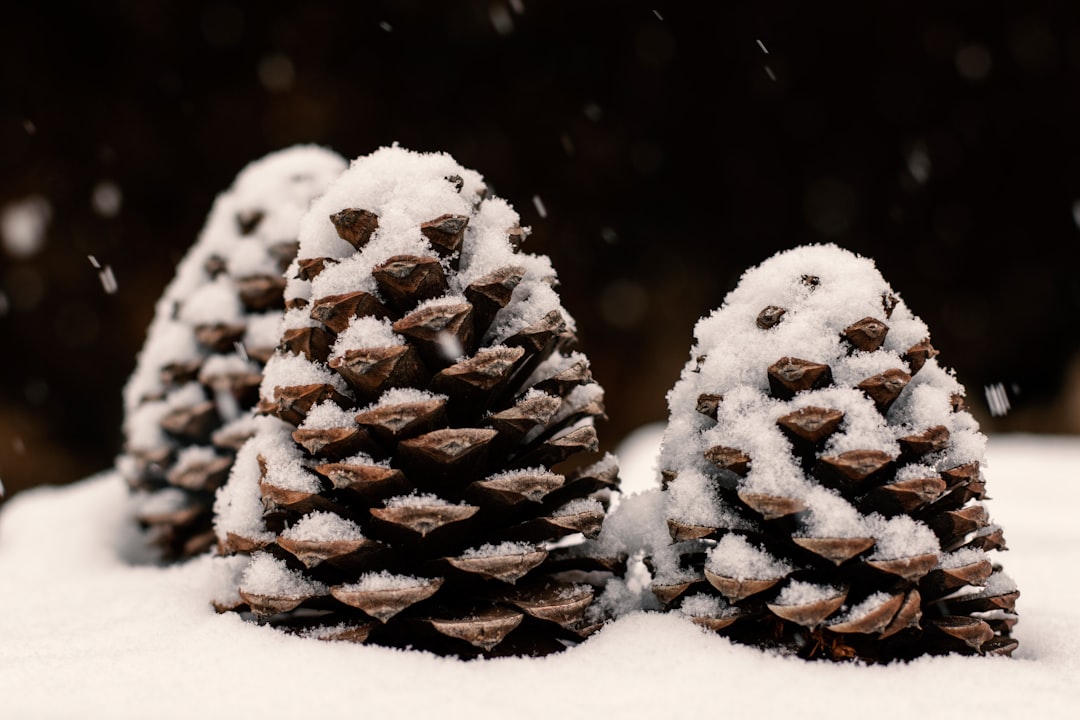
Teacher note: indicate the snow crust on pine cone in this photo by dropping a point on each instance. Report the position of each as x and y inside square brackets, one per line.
[250, 235]
[801, 304]
[403, 191]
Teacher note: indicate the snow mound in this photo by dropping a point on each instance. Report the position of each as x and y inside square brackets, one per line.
[144, 641]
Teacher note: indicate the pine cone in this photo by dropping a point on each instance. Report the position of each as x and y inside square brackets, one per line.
[422, 467]
[823, 479]
[189, 403]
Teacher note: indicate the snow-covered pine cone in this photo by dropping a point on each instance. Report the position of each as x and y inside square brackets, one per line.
[422, 463]
[823, 478]
[189, 403]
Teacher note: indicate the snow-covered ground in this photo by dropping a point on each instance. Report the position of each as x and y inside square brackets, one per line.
[84, 633]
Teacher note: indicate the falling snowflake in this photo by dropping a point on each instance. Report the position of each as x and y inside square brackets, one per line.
[997, 399]
[539, 204]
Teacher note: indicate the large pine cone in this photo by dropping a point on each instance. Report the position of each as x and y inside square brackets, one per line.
[823, 479]
[422, 472]
[189, 403]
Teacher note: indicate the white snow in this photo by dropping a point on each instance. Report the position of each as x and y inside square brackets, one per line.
[215, 302]
[164, 501]
[366, 333]
[915, 471]
[263, 330]
[735, 557]
[383, 580]
[416, 499]
[267, 575]
[362, 458]
[238, 506]
[997, 399]
[402, 396]
[249, 258]
[538, 203]
[220, 366]
[327, 415]
[797, 592]
[962, 557]
[581, 505]
[830, 516]
[998, 584]
[503, 548]
[353, 273]
[294, 371]
[322, 527]
[922, 403]
[694, 499]
[863, 428]
[87, 634]
[397, 186]
[284, 460]
[142, 424]
[638, 524]
[900, 537]
[702, 605]
[243, 427]
[108, 280]
[529, 304]
[193, 456]
[638, 470]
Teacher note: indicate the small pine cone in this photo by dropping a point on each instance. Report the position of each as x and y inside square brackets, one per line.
[429, 454]
[190, 402]
[823, 487]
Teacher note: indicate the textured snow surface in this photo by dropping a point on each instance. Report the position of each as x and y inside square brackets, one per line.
[295, 370]
[267, 575]
[702, 605]
[580, 505]
[87, 634]
[384, 580]
[364, 333]
[327, 415]
[416, 499]
[797, 592]
[735, 557]
[322, 527]
[238, 506]
[504, 548]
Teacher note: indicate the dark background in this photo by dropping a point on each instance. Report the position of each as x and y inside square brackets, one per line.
[670, 150]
